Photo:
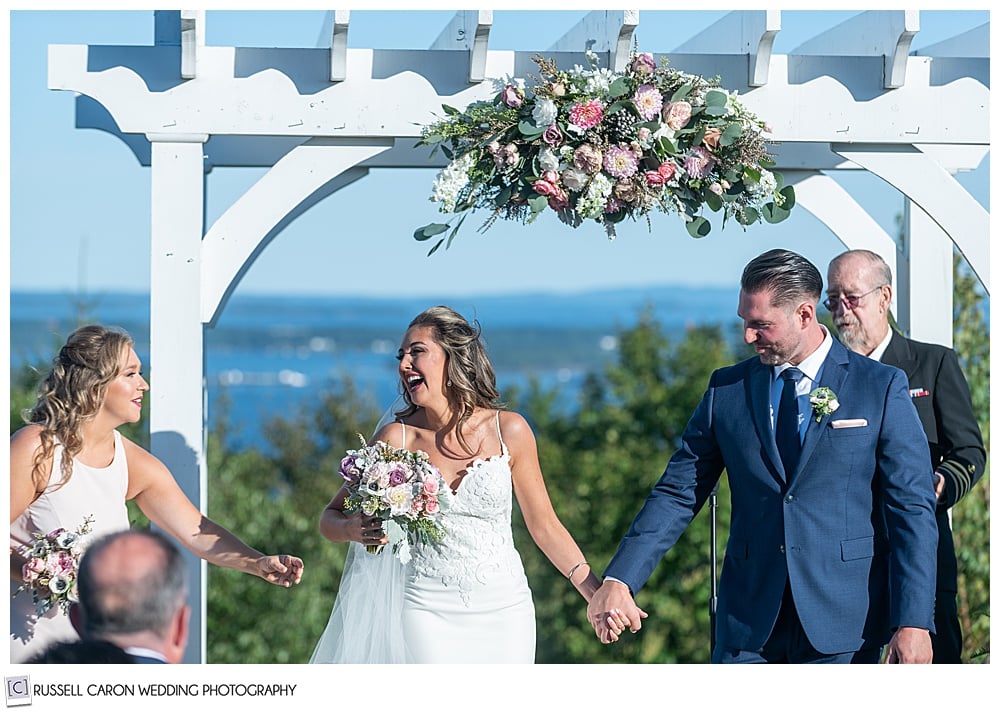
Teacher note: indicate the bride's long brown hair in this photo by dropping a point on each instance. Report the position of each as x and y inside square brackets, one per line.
[72, 393]
[472, 380]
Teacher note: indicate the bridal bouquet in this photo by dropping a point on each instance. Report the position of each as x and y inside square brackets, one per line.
[592, 144]
[51, 567]
[398, 486]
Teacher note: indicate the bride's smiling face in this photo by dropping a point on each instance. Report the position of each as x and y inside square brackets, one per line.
[422, 363]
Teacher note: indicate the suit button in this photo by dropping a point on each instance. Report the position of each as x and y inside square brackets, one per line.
[782, 548]
[789, 499]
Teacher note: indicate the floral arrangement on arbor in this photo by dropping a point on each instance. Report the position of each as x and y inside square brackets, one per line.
[592, 144]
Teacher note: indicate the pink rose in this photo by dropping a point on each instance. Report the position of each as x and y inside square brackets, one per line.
[643, 64]
[551, 176]
[667, 170]
[653, 177]
[588, 159]
[543, 187]
[552, 135]
[60, 564]
[676, 114]
[559, 201]
[512, 96]
[431, 505]
[431, 485]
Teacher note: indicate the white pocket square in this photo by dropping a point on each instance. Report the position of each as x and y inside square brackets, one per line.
[839, 424]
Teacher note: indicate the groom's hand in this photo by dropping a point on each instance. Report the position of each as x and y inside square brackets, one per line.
[612, 609]
[910, 645]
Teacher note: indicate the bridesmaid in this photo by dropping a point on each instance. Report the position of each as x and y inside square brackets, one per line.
[70, 462]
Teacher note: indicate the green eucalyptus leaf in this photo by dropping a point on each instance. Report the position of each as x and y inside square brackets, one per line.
[716, 98]
[713, 201]
[681, 93]
[731, 134]
[699, 227]
[619, 87]
[428, 231]
[774, 214]
[529, 130]
[748, 216]
[538, 203]
[788, 192]
[435, 247]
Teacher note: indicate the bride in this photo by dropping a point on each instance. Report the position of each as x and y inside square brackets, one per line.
[465, 599]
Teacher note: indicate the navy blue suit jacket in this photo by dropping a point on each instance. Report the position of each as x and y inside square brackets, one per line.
[852, 530]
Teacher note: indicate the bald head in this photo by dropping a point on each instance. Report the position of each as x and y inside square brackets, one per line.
[132, 581]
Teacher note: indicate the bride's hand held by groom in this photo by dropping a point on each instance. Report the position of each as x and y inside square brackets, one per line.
[611, 610]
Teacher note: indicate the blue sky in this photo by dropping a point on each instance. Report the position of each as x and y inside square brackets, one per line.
[80, 201]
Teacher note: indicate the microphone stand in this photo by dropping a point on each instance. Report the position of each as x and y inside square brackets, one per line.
[713, 505]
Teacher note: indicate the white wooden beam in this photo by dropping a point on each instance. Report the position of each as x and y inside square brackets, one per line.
[924, 181]
[469, 30]
[878, 33]
[835, 207]
[238, 236]
[338, 45]
[931, 294]
[750, 32]
[192, 41]
[177, 411]
[599, 31]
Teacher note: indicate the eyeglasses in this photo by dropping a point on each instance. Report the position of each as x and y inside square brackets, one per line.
[852, 301]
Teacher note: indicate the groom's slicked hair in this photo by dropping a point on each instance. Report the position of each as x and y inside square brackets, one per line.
[789, 276]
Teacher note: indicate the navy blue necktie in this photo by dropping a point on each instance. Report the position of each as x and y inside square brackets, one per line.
[786, 428]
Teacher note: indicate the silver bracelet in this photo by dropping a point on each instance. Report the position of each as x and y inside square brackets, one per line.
[569, 575]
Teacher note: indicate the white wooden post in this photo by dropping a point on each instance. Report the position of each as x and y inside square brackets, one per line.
[929, 251]
[176, 350]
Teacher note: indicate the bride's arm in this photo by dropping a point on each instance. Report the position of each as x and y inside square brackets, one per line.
[544, 525]
[340, 526]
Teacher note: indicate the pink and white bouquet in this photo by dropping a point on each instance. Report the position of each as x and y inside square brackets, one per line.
[51, 568]
[398, 486]
[593, 144]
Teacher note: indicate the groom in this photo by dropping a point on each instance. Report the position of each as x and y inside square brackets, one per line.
[832, 544]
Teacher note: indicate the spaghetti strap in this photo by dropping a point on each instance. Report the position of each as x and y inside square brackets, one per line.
[503, 447]
[403, 425]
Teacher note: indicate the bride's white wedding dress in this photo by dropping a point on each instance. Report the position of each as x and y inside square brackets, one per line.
[464, 600]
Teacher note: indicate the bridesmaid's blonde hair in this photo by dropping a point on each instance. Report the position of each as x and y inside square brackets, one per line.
[73, 391]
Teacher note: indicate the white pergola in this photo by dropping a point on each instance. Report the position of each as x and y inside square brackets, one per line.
[853, 98]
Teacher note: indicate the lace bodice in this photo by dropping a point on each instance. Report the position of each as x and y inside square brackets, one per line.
[478, 547]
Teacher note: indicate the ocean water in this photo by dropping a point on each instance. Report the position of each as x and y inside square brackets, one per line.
[269, 355]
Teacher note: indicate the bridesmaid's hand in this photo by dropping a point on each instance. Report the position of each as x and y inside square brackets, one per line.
[284, 570]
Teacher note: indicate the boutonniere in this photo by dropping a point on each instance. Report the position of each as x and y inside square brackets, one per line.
[824, 402]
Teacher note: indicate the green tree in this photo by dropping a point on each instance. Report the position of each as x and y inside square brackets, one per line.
[971, 517]
[600, 463]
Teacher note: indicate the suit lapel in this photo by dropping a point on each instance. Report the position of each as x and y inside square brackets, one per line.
[833, 376]
[897, 353]
[760, 406]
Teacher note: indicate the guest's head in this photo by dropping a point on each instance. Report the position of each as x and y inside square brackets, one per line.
[442, 355]
[859, 292]
[779, 291]
[95, 374]
[82, 651]
[133, 587]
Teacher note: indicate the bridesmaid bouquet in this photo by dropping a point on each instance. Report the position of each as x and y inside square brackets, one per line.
[398, 486]
[51, 568]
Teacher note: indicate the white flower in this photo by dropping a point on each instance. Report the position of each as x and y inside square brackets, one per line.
[545, 112]
[400, 498]
[548, 160]
[575, 180]
[66, 539]
[592, 202]
[449, 182]
[59, 584]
